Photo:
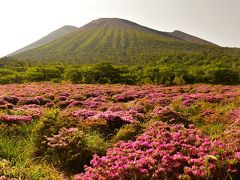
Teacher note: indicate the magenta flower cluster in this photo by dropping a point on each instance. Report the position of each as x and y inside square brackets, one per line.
[113, 114]
[129, 95]
[30, 110]
[83, 114]
[117, 116]
[62, 139]
[15, 118]
[162, 152]
[232, 133]
[189, 99]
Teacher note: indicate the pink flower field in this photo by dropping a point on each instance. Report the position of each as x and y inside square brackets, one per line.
[125, 132]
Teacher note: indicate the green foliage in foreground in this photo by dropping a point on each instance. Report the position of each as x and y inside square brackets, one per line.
[16, 154]
[104, 72]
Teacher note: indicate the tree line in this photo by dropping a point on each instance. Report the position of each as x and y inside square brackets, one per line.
[107, 73]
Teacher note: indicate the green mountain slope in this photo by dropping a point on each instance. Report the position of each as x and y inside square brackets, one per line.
[124, 42]
[46, 39]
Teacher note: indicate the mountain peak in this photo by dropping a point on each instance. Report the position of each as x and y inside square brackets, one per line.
[117, 22]
[110, 20]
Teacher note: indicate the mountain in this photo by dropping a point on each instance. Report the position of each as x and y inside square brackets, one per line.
[46, 39]
[123, 42]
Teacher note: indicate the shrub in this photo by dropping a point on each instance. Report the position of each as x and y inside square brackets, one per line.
[168, 115]
[73, 74]
[50, 123]
[11, 99]
[15, 119]
[71, 146]
[166, 152]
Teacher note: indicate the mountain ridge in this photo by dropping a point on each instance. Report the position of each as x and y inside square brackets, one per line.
[46, 39]
[190, 38]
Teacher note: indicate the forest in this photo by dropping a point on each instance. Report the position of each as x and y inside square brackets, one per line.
[106, 73]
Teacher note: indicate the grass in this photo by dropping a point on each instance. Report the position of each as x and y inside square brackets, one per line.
[16, 154]
[214, 130]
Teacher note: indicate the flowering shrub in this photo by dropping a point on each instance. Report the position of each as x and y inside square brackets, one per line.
[170, 116]
[67, 147]
[84, 114]
[139, 108]
[64, 104]
[235, 116]
[29, 110]
[11, 99]
[115, 119]
[163, 101]
[71, 146]
[15, 118]
[108, 120]
[76, 104]
[128, 96]
[62, 139]
[232, 133]
[51, 122]
[165, 152]
[38, 100]
[189, 100]
[92, 103]
[2, 102]
[192, 98]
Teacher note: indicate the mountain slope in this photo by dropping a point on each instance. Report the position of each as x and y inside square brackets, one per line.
[117, 40]
[189, 38]
[46, 39]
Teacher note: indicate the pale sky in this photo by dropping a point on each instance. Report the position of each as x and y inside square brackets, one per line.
[25, 21]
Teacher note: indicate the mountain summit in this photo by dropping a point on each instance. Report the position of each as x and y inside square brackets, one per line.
[117, 40]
